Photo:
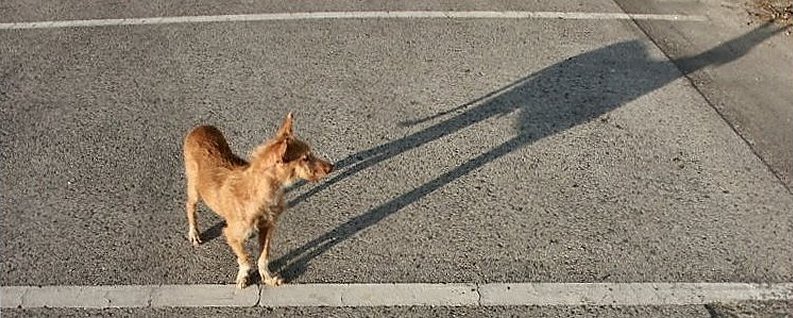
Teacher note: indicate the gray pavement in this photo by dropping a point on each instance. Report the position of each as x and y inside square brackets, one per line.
[667, 311]
[468, 150]
[744, 309]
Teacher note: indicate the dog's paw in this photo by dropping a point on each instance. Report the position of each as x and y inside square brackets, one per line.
[194, 238]
[242, 277]
[273, 281]
[242, 282]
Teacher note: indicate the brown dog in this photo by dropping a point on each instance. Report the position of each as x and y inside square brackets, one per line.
[248, 195]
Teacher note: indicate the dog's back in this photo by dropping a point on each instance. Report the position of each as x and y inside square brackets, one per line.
[208, 159]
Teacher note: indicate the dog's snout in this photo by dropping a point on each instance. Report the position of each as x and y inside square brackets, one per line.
[329, 168]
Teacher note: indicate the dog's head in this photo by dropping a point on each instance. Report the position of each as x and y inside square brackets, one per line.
[293, 158]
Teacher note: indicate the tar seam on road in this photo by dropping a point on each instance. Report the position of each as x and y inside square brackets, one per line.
[351, 15]
[374, 295]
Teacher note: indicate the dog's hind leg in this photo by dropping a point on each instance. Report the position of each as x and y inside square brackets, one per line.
[266, 232]
[190, 207]
[236, 240]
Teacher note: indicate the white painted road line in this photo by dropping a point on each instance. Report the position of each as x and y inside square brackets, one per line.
[352, 15]
[629, 293]
[204, 296]
[369, 295]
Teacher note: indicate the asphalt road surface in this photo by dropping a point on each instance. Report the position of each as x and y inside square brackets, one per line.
[468, 150]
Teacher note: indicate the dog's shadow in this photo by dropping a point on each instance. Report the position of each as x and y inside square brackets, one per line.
[213, 232]
[563, 95]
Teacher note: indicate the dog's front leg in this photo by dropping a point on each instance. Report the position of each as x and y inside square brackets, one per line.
[266, 231]
[236, 240]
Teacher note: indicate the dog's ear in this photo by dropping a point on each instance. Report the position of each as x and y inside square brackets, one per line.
[285, 131]
[279, 150]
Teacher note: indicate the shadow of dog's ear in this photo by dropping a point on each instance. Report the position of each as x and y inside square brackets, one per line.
[286, 130]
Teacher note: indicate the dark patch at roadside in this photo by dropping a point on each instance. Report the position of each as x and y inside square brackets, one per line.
[778, 11]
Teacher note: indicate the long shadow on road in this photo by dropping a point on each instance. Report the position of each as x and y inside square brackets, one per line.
[556, 98]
